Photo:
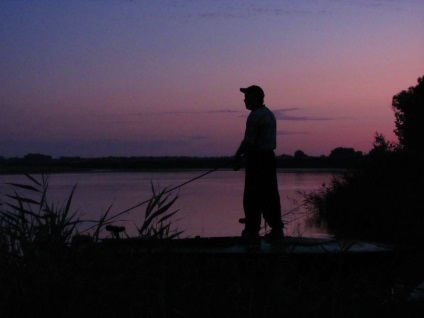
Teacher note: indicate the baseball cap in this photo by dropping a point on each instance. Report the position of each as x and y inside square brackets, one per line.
[254, 89]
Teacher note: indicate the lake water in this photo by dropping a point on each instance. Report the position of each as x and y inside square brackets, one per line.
[208, 207]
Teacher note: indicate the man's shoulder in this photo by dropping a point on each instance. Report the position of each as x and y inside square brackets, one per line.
[264, 112]
[260, 110]
[266, 109]
[260, 113]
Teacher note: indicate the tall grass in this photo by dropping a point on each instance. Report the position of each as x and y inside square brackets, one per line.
[157, 217]
[112, 282]
[379, 200]
[31, 224]
[48, 268]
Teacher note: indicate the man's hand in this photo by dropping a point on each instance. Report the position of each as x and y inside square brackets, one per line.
[238, 157]
[238, 163]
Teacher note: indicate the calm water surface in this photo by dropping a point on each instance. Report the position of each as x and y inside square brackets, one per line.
[208, 207]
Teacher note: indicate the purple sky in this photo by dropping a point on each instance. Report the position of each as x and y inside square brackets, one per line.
[149, 78]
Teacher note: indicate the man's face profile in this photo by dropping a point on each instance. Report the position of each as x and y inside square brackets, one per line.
[252, 101]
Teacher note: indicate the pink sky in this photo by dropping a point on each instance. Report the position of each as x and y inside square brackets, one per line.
[150, 78]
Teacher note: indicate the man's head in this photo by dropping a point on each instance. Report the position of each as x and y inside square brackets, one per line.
[253, 97]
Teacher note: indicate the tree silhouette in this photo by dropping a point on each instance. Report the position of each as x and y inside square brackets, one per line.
[408, 106]
[299, 154]
[341, 152]
[381, 146]
[380, 199]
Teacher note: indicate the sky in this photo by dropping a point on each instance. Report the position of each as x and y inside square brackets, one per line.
[126, 78]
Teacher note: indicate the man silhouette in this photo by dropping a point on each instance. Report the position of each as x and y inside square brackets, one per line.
[261, 187]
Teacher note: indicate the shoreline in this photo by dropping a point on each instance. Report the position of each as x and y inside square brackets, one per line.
[157, 170]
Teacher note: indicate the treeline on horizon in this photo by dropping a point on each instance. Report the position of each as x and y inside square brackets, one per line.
[339, 158]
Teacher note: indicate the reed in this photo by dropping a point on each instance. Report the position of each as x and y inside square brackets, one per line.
[157, 223]
[379, 201]
[31, 224]
[101, 281]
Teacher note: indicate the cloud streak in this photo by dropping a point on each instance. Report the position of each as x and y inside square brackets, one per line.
[289, 133]
[223, 9]
[218, 111]
[283, 114]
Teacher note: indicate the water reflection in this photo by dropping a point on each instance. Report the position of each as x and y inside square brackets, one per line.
[209, 207]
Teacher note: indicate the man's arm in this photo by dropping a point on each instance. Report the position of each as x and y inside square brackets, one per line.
[238, 156]
[241, 150]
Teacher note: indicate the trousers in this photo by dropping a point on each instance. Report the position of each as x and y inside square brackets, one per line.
[261, 196]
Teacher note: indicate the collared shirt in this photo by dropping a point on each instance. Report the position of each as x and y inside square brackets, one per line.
[261, 130]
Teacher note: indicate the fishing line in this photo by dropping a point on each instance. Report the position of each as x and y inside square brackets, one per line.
[165, 192]
[106, 221]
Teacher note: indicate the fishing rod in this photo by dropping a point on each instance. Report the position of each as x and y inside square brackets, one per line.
[165, 192]
[144, 202]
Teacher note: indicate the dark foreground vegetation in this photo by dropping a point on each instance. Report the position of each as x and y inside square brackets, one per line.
[382, 198]
[50, 267]
[111, 280]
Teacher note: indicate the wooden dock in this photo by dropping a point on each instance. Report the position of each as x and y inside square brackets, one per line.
[236, 245]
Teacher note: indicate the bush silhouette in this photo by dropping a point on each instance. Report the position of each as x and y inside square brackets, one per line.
[380, 199]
